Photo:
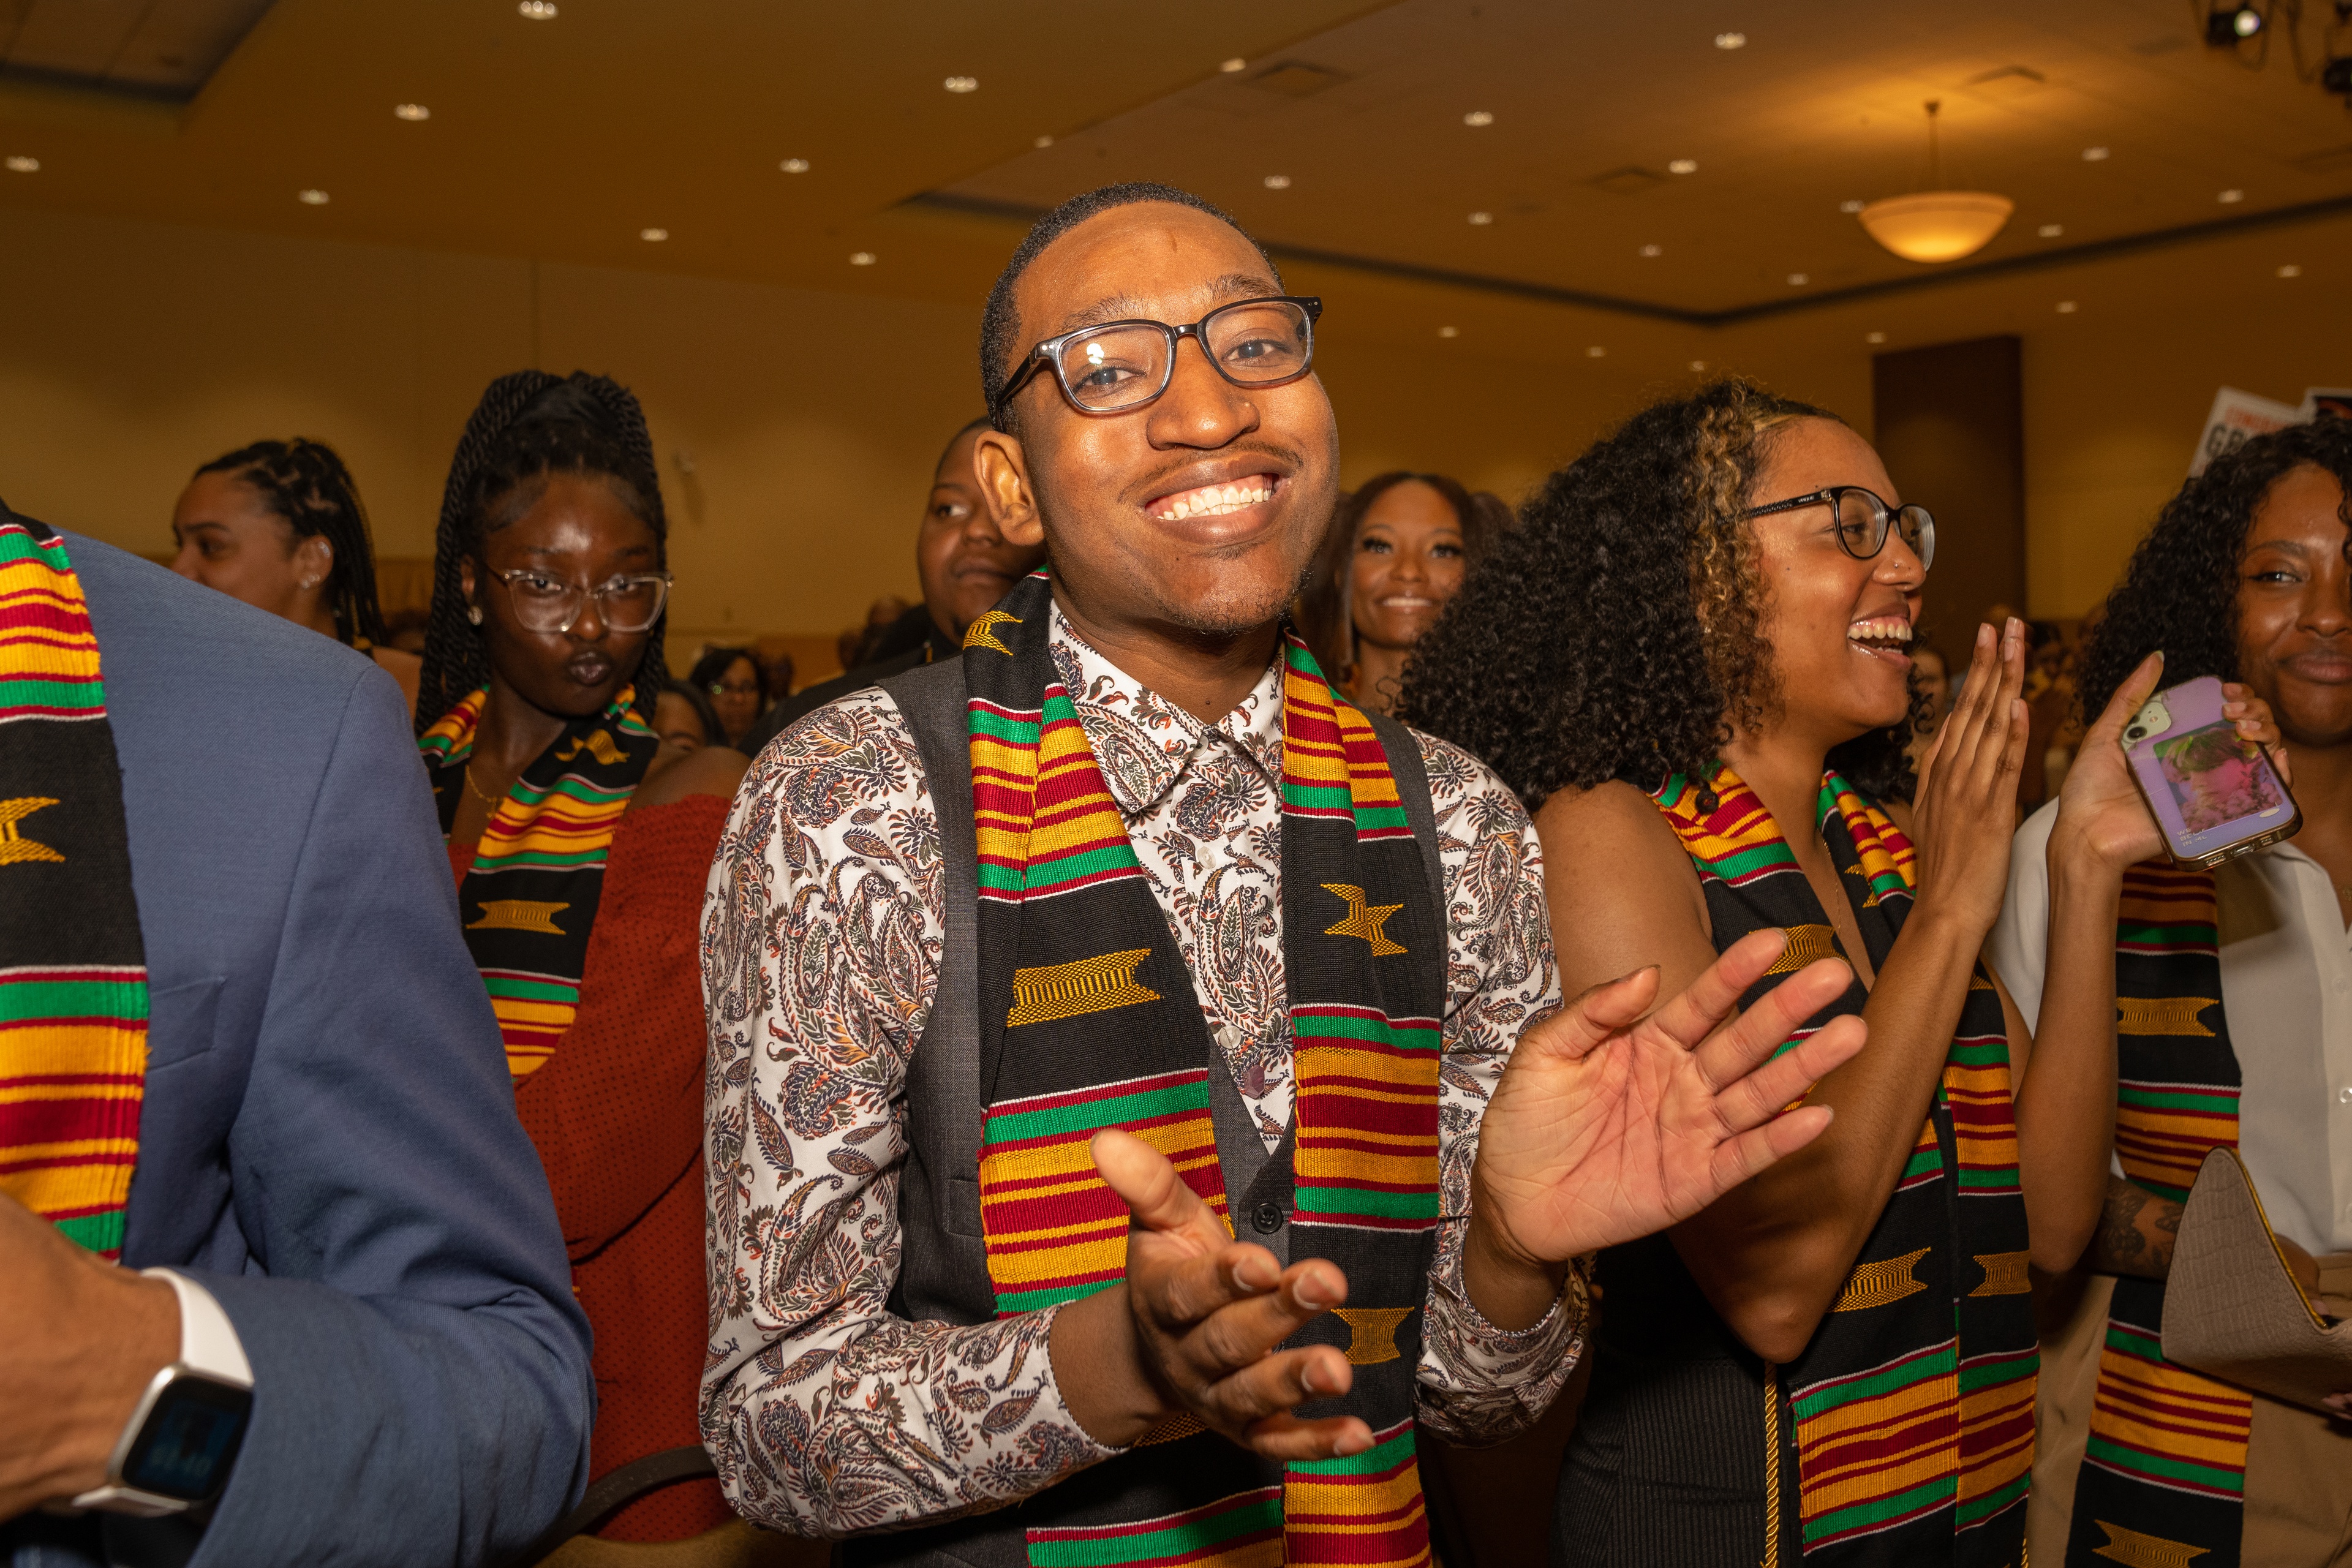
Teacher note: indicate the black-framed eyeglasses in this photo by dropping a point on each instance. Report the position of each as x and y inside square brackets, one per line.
[1863, 521]
[545, 604]
[733, 689]
[1123, 365]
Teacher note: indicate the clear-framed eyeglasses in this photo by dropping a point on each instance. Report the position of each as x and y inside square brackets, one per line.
[544, 604]
[1123, 365]
[1863, 521]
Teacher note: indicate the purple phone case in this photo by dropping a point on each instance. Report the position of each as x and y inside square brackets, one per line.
[2207, 793]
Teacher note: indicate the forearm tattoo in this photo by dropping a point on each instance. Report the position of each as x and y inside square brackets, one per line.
[2136, 1231]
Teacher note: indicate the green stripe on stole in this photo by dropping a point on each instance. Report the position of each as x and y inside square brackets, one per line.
[1070, 926]
[1892, 1464]
[73, 993]
[2166, 1453]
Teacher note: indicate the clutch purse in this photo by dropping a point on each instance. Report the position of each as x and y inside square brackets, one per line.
[2232, 1309]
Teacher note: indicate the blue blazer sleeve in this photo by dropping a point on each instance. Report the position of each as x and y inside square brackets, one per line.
[328, 1139]
[422, 1392]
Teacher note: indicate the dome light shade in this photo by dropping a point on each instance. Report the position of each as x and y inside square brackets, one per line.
[1938, 225]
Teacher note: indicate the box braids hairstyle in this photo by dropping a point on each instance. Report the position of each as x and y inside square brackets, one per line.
[306, 485]
[528, 425]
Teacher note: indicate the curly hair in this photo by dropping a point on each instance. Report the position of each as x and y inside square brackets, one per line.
[306, 486]
[1615, 633]
[2180, 592]
[528, 426]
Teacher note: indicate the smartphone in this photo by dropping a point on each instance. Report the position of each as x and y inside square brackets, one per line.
[2213, 791]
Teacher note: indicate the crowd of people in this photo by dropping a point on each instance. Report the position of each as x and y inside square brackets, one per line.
[1238, 982]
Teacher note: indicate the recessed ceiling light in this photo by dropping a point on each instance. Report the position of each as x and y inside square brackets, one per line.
[1478, 117]
[2230, 197]
[794, 165]
[652, 236]
[962, 84]
[2289, 270]
[1277, 182]
[312, 198]
[1731, 40]
[20, 165]
[411, 112]
[1596, 352]
[861, 259]
[1449, 331]
[1482, 219]
[1873, 337]
[1851, 204]
[2051, 230]
[1699, 365]
[1683, 166]
[1799, 280]
[2065, 307]
[1043, 141]
[1654, 251]
[2095, 154]
[1235, 64]
[537, 10]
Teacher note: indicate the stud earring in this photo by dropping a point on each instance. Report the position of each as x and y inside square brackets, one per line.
[309, 584]
[474, 613]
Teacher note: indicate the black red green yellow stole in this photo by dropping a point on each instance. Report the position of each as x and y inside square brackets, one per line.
[73, 966]
[1089, 1019]
[2163, 1478]
[529, 898]
[1912, 1409]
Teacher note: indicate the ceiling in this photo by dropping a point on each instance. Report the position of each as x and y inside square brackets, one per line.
[164, 49]
[569, 139]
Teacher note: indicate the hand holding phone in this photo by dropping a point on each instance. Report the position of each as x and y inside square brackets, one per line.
[2214, 794]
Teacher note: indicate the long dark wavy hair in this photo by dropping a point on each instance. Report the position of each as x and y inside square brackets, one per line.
[528, 425]
[1326, 610]
[305, 484]
[2180, 592]
[1615, 633]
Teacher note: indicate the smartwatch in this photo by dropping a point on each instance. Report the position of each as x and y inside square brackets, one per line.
[176, 1450]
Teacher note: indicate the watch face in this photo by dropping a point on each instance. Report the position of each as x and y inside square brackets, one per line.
[190, 1439]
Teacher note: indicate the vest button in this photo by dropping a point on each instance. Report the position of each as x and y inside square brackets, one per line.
[1267, 1218]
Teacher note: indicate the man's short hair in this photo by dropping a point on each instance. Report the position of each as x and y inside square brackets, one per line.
[1000, 324]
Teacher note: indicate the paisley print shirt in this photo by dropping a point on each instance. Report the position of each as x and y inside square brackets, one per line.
[822, 931]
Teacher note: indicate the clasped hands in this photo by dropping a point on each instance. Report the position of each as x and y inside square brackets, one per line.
[1611, 1122]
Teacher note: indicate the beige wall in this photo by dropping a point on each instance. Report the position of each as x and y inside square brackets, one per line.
[130, 352]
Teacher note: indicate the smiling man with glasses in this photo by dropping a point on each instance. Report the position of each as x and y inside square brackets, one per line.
[1036, 978]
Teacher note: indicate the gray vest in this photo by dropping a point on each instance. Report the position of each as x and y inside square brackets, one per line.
[943, 1260]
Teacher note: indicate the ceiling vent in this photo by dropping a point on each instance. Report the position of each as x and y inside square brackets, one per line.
[1293, 79]
[163, 49]
[2007, 82]
[1629, 181]
[2326, 160]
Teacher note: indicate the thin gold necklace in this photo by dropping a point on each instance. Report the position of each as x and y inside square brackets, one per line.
[476, 790]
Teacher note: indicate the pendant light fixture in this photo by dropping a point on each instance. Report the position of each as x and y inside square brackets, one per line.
[1937, 225]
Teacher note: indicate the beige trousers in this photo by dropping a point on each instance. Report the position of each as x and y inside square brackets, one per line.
[2298, 1462]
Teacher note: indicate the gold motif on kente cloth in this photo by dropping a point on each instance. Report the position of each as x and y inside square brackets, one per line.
[1364, 920]
[1088, 985]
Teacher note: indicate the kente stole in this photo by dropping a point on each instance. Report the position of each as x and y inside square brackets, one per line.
[530, 898]
[1912, 1409]
[1089, 1019]
[73, 966]
[2163, 1478]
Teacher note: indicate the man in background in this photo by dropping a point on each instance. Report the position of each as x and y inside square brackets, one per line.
[965, 566]
[244, 1052]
